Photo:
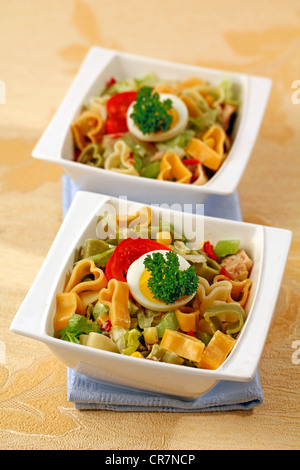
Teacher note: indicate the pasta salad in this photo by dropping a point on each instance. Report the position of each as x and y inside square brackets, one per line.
[171, 130]
[155, 298]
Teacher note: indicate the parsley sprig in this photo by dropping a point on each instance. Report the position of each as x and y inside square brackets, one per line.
[149, 113]
[167, 282]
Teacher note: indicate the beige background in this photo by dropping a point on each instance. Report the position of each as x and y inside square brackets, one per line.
[42, 43]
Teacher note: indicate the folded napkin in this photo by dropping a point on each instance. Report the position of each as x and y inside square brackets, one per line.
[88, 393]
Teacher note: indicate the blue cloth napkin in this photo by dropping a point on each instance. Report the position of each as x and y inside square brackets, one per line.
[88, 393]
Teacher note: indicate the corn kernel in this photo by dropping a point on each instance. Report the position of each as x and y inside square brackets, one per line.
[164, 238]
[137, 354]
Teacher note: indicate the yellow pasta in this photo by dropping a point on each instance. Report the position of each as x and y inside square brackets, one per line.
[116, 296]
[240, 289]
[193, 109]
[172, 168]
[88, 128]
[210, 150]
[83, 270]
[188, 318]
[217, 135]
[67, 304]
[120, 160]
[208, 294]
[202, 177]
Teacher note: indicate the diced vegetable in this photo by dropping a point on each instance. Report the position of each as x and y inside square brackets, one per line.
[226, 247]
[204, 337]
[164, 237]
[151, 335]
[169, 321]
[132, 341]
[151, 170]
[158, 353]
[99, 309]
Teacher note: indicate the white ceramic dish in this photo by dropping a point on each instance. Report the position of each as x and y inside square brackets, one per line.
[35, 316]
[56, 144]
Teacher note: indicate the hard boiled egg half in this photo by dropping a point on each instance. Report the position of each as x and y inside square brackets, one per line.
[137, 279]
[179, 122]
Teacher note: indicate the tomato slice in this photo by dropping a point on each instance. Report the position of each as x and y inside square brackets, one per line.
[119, 103]
[117, 107]
[116, 123]
[126, 252]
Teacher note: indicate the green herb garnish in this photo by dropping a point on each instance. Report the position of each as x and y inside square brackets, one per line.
[149, 113]
[167, 282]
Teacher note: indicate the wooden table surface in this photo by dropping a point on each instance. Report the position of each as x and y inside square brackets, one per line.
[42, 43]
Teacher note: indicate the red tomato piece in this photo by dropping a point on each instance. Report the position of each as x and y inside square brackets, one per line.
[119, 103]
[126, 252]
[116, 123]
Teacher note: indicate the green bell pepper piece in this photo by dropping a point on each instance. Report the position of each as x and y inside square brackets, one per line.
[226, 247]
[168, 321]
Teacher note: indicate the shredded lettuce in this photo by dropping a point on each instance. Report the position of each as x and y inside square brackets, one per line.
[148, 80]
[78, 325]
[99, 309]
[120, 87]
[205, 121]
[178, 142]
[229, 93]
[145, 319]
[132, 341]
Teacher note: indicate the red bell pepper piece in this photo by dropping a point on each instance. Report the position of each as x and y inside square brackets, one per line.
[208, 250]
[190, 161]
[223, 272]
[126, 252]
[106, 326]
[110, 82]
[191, 333]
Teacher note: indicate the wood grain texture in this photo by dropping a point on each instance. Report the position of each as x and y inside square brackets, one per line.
[39, 57]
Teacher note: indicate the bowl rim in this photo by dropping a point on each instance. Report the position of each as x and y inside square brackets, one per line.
[241, 364]
[225, 181]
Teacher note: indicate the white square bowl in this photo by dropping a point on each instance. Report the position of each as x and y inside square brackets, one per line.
[35, 316]
[56, 144]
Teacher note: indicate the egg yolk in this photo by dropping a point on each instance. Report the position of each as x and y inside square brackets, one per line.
[175, 117]
[145, 290]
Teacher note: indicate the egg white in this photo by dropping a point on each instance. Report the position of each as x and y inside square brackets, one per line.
[133, 277]
[183, 117]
